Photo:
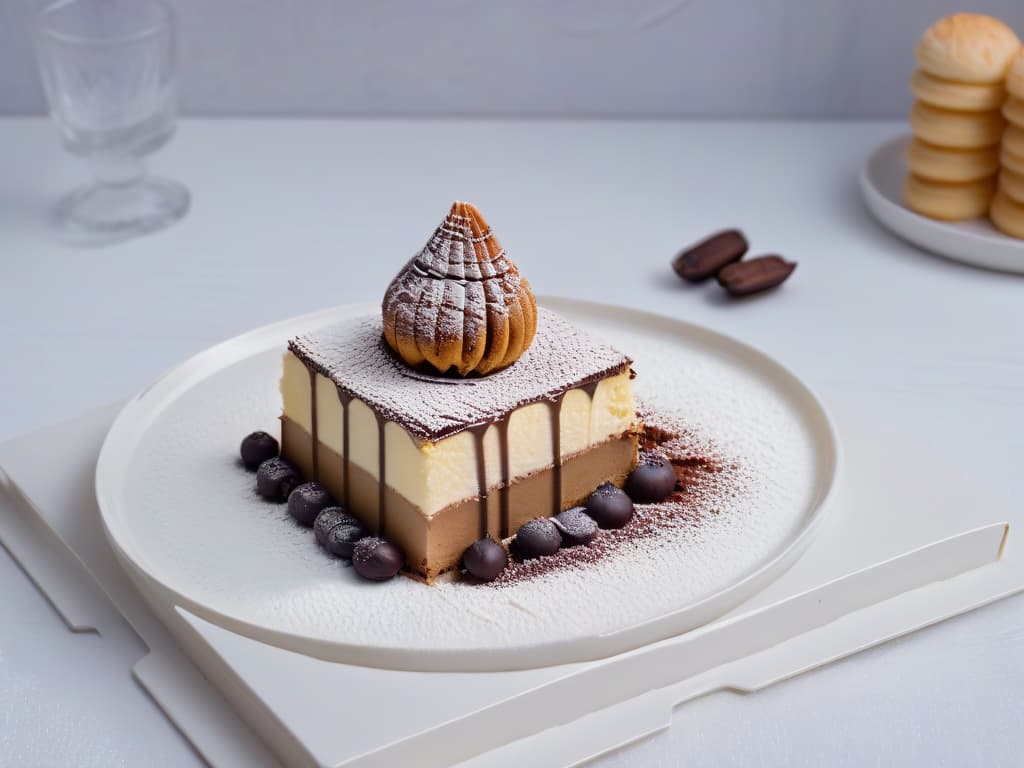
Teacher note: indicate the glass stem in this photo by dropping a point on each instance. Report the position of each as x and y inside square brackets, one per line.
[117, 170]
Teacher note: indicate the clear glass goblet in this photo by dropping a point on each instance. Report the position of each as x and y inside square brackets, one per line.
[107, 68]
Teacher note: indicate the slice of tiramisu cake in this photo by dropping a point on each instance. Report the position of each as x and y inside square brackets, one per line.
[462, 413]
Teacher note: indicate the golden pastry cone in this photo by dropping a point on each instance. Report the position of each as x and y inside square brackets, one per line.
[460, 304]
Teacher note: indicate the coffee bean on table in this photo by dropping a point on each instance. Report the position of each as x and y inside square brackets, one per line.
[276, 479]
[701, 261]
[257, 448]
[576, 526]
[376, 559]
[485, 559]
[755, 275]
[537, 538]
[609, 506]
[652, 481]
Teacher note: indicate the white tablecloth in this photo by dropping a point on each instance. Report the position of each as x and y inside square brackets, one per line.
[290, 216]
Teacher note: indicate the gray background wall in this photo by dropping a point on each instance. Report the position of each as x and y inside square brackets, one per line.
[559, 57]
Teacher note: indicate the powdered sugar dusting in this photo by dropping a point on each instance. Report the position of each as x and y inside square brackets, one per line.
[354, 356]
[192, 520]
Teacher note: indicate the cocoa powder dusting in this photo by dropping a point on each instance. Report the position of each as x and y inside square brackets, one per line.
[705, 477]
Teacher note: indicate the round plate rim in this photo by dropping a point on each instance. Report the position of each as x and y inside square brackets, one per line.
[986, 249]
[165, 599]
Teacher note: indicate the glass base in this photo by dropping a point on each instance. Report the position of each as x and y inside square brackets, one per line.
[112, 212]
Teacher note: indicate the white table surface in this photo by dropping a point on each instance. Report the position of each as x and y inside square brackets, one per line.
[290, 216]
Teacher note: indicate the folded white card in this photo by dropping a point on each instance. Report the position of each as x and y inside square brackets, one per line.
[886, 563]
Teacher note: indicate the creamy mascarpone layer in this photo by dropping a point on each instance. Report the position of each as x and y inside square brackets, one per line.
[432, 475]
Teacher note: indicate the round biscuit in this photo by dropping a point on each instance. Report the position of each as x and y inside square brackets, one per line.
[956, 165]
[969, 97]
[1007, 215]
[1015, 77]
[1012, 185]
[948, 128]
[968, 48]
[947, 202]
[1009, 160]
[1013, 111]
[1013, 141]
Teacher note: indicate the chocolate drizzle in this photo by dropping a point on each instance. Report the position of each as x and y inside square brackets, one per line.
[555, 409]
[382, 484]
[314, 431]
[481, 475]
[478, 431]
[344, 398]
[506, 479]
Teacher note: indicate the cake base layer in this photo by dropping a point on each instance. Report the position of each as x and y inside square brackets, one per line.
[433, 545]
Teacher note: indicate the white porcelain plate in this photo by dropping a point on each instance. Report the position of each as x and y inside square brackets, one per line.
[182, 514]
[974, 242]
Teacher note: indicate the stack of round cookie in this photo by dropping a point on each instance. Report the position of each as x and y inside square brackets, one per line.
[1008, 205]
[959, 88]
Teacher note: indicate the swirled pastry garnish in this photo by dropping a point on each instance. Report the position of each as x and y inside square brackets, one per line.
[460, 305]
